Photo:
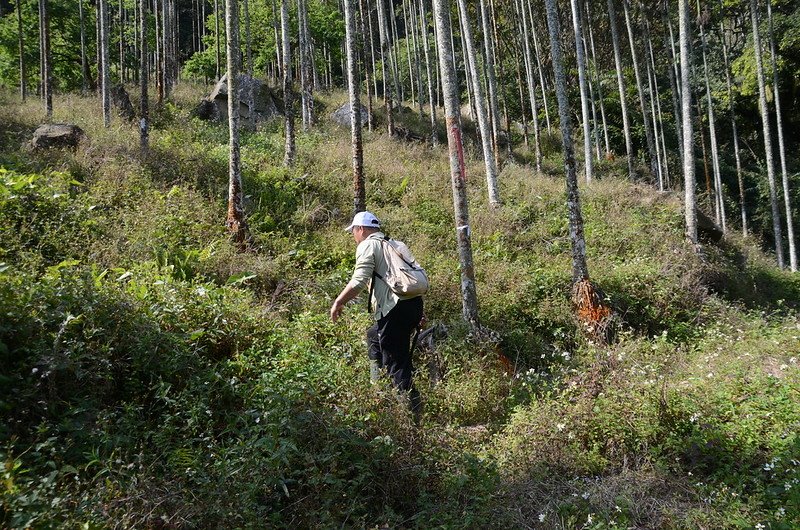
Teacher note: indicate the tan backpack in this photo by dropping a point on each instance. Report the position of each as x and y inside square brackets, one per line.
[405, 277]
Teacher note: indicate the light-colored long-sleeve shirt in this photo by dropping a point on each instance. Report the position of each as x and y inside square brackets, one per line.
[370, 258]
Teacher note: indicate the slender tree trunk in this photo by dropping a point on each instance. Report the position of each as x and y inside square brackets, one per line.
[690, 205]
[235, 222]
[353, 83]
[306, 78]
[218, 71]
[431, 85]
[40, 84]
[144, 110]
[159, 58]
[84, 61]
[367, 65]
[762, 104]
[626, 126]
[394, 53]
[289, 152]
[539, 67]
[599, 83]
[469, 297]
[483, 121]
[621, 85]
[595, 128]
[588, 301]
[385, 55]
[491, 78]
[674, 75]
[136, 54]
[121, 43]
[646, 119]
[408, 56]
[736, 153]
[781, 147]
[468, 76]
[22, 85]
[47, 73]
[520, 84]
[371, 38]
[248, 42]
[653, 98]
[436, 71]
[712, 131]
[531, 90]
[587, 137]
[417, 60]
[580, 271]
[105, 75]
[657, 126]
[703, 150]
[278, 42]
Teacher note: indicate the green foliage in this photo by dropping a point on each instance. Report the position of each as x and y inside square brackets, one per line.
[151, 374]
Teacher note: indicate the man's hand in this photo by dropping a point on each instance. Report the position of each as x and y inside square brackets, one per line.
[347, 294]
[336, 309]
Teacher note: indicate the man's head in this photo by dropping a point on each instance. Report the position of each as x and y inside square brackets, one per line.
[364, 224]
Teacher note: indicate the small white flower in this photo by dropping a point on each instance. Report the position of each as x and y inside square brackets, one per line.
[710, 375]
[589, 519]
[760, 526]
[561, 426]
[541, 517]
[780, 512]
[35, 370]
[585, 495]
[787, 486]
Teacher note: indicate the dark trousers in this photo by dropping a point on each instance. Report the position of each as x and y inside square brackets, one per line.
[389, 342]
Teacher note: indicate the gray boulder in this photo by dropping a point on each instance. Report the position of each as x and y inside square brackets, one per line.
[56, 135]
[256, 102]
[341, 116]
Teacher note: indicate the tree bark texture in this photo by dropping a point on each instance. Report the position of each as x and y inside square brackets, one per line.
[47, 68]
[469, 297]
[23, 92]
[690, 201]
[580, 58]
[491, 78]
[289, 150]
[480, 108]
[235, 222]
[105, 76]
[762, 105]
[735, 132]
[144, 111]
[781, 147]
[580, 271]
[626, 125]
[385, 56]
[354, 85]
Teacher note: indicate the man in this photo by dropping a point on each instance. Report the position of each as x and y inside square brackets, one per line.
[389, 339]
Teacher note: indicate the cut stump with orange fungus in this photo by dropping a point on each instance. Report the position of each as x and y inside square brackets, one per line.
[592, 311]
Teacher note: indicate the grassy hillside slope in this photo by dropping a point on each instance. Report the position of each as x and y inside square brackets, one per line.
[152, 376]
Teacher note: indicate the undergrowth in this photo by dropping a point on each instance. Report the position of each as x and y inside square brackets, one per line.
[153, 376]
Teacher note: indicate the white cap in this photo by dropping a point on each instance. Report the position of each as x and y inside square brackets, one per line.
[364, 219]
